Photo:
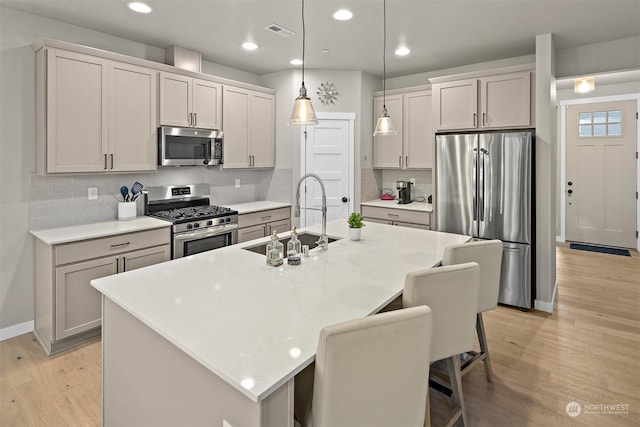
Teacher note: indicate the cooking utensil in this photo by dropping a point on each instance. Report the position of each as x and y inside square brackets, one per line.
[136, 188]
[125, 193]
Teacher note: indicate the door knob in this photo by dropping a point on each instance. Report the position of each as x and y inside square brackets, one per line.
[345, 199]
[570, 191]
[569, 183]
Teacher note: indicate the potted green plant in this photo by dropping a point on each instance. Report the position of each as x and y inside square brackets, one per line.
[355, 225]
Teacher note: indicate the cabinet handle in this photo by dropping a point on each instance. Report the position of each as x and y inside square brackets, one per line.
[253, 160]
[112, 161]
[406, 161]
[264, 218]
[474, 120]
[484, 119]
[117, 265]
[190, 119]
[400, 161]
[124, 263]
[195, 119]
[120, 245]
[394, 215]
[105, 161]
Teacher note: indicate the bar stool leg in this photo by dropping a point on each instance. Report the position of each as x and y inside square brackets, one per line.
[453, 366]
[484, 349]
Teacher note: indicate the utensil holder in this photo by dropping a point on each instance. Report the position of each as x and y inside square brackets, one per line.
[127, 211]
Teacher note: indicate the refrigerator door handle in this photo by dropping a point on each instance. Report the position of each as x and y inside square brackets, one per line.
[481, 178]
[474, 175]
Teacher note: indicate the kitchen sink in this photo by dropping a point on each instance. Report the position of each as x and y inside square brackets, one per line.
[305, 238]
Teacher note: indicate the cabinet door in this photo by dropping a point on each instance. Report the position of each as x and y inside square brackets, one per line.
[262, 131]
[456, 105]
[207, 104]
[133, 118]
[77, 110]
[175, 100]
[505, 100]
[78, 306]
[235, 124]
[279, 226]
[418, 130]
[387, 150]
[250, 233]
[145, 257]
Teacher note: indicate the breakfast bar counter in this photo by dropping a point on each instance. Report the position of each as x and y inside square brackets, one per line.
[217, 338]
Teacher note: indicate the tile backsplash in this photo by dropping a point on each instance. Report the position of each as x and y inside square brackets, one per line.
[59, 201]
[424, 183]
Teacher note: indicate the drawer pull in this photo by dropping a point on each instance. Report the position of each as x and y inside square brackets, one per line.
[120, 245]
[394, 215]
[264, 218]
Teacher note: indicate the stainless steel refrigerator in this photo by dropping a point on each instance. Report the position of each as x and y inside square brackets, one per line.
[485, 188]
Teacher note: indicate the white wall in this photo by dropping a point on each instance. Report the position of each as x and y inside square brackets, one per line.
[30, 201]
[623, 54]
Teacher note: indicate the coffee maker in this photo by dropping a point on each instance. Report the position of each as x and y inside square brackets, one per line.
[404, 192]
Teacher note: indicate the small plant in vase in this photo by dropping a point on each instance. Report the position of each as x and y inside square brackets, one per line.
[355, 225]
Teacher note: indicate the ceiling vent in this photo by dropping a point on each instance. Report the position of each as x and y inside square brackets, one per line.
[279, 30]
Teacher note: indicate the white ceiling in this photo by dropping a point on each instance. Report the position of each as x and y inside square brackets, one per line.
[440, 33]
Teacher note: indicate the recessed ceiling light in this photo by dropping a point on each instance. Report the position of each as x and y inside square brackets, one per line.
[249, 46]
[296, 62]
[139, 7]
[343, 15]
[402, 51]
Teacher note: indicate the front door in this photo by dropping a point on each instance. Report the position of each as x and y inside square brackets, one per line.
[601, 173]
[327, 154]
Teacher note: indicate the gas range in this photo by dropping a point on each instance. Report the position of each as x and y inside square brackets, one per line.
[197, 226]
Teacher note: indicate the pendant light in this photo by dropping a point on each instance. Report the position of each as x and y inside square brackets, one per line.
[384, 125]
[303, 113]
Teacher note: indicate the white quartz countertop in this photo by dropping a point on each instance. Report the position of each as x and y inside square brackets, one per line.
[393, 204]
[245, 208]
[257, 326]
[56, 236]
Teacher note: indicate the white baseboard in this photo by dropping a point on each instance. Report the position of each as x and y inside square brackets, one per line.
[15, 330]
[547, 306]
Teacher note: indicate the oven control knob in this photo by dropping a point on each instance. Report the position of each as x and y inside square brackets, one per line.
[189, 226]
[209, 222]
[196, 225]
[227, 219]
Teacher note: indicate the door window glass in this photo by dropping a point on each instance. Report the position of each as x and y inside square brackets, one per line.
[599, 124]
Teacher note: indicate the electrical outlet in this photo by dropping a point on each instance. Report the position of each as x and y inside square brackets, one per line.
[93, 193]
[412, 181]
[237, 182]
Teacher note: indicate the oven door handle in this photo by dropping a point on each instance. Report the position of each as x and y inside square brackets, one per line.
[200, 235]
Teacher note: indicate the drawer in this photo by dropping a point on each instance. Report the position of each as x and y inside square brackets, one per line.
[396, 215]
[262, 217]
[95, 248]
[250, 233]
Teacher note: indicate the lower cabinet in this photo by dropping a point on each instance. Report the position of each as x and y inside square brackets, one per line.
[68, 308]
[263, 223]
[397, 216]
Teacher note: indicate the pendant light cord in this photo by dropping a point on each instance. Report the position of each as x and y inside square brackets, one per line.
[384, 55]
[303, 42]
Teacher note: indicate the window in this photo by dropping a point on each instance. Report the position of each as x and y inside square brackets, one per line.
[599, 124]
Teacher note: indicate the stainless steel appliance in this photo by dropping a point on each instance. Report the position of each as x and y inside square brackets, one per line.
[404, 192]
[197, 226]
[485, 188]
[189, 147]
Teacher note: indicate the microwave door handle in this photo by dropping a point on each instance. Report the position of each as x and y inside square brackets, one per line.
[189, 236]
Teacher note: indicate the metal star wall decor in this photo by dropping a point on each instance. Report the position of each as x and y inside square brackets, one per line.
[327, 93]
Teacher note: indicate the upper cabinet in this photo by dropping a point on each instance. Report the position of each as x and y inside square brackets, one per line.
[190, 102]
[93, 114]
[491, 102]
[412, 146]
[249, 128]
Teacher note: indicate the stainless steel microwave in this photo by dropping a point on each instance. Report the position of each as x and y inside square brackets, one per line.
[189, 147]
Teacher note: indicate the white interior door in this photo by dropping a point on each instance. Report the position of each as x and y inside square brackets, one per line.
[328, 152]
[601, 173]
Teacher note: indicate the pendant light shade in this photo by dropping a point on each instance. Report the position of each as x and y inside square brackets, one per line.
[303, 113]
[384, 125]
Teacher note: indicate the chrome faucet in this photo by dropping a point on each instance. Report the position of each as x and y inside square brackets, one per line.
[323, 241]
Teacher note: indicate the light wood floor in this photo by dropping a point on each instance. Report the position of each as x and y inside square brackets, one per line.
[587, 352]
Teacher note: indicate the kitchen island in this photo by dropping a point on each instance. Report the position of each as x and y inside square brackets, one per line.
[217, 338]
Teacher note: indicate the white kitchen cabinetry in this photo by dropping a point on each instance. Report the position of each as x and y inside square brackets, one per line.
[263, 223]
[397, 216]
[412, 146]
[489, 102]
[249, 128]
[68, 308]
[190, 102]
[93, 114]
